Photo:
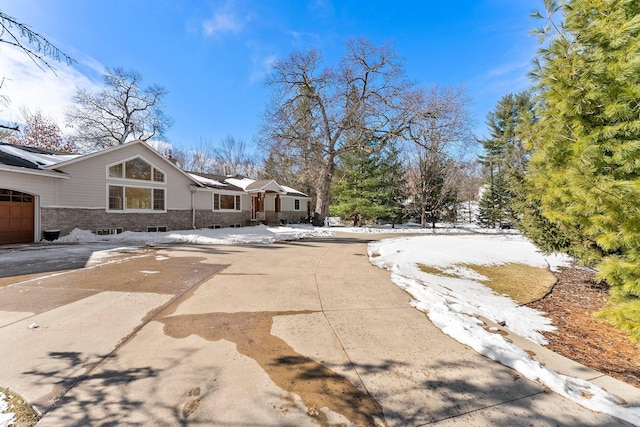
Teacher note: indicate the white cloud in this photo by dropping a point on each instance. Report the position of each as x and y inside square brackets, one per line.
[322, 9]
[223, 21]
[28, 86]
[261, 67]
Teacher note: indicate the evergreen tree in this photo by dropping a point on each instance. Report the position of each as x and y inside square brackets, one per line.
[366, 187]
[505, 158]
[391, 173]
[585, 168]
[494, 206]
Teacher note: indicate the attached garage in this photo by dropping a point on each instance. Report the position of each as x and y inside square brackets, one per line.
[17, 217]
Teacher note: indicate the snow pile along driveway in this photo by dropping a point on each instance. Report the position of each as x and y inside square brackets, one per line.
[205, 236]
[455, 304]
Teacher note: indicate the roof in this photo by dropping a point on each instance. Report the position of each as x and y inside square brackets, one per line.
[35, 160]
[214, 181]
[292, 192]
[267, 185]
[252, 186]
[31, 158]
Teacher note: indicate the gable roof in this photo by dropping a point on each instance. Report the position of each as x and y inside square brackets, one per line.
[120, 147]
[264, 185]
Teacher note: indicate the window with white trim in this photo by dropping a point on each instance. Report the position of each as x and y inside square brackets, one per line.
[125, 198]
[296, 204]
[226, 202]
[136, 168]
[136, 185]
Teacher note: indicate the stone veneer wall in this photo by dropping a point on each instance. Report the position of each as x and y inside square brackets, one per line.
[206, 218]
[66, 219]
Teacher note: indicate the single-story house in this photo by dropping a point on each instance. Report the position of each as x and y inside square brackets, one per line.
[129, 187]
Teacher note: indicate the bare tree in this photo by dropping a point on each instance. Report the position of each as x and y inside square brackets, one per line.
[42, 132]
[122, 112]
[232, 157]
[38, 48]
[200, 158]
[318, 111]
[434, 156]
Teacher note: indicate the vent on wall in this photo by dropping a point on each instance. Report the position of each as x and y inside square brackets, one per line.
[157, 229]
[107, 231]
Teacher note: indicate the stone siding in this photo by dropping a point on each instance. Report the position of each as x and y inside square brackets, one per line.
[207, 218]
[66, 219]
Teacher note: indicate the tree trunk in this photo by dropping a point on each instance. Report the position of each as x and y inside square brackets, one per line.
[324, 192]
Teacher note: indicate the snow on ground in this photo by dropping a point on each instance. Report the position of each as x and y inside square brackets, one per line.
[219, 236]
[466, 296]
[7, 418]
[414, 228]
[455, 304]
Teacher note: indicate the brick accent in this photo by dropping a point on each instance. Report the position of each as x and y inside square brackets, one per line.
[66, 219]
[206, 218]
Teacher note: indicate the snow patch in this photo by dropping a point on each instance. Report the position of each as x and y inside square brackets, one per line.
[454, 305]
[6, 418]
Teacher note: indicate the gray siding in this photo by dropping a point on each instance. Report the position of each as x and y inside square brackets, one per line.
[42, 186]
[88, 184]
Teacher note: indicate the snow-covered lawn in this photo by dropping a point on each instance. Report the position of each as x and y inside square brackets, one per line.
[455, 304]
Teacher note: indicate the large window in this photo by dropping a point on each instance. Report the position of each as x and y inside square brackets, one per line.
[137, 169]
[226, 202]
[136, 198]
[143, 193]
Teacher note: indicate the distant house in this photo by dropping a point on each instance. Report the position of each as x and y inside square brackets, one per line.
[128, 187]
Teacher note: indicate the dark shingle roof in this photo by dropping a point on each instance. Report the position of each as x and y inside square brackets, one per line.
[11, 160]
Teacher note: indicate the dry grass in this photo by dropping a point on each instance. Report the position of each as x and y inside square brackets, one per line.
[522, 283]
[25, 414]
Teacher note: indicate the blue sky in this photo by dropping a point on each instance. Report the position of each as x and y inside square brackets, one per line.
[212, 56]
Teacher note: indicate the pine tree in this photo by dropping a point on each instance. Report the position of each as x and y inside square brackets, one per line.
[494, 206]
[366, 187]
[585, 167]
[505, 158]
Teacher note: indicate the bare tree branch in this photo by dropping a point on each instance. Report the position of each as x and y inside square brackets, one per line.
[10, 32]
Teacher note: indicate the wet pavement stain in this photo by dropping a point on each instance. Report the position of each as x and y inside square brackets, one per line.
[145, 273]
[317, 385]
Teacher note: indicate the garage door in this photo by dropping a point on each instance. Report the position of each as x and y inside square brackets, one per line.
[16, 217]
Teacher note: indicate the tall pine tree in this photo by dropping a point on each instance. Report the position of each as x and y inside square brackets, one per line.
[504, 159]
[585, 167]
[367, 186]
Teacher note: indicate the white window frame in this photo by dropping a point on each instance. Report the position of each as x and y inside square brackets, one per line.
[237, 197]
[135, 183]
[124, 171]
[124, 199]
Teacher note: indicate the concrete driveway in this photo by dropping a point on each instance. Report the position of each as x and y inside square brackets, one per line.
[291, 334]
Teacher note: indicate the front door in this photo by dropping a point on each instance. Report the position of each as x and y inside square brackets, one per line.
[256, 207]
